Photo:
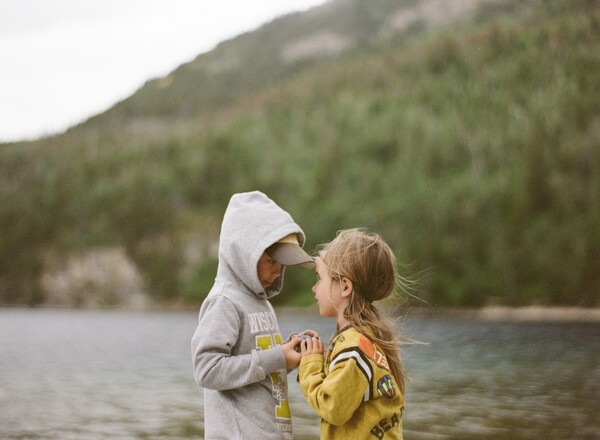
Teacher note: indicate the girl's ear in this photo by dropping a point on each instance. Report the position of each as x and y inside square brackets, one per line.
[346, 284]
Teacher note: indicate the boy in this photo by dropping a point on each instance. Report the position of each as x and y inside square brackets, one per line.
[237, 348]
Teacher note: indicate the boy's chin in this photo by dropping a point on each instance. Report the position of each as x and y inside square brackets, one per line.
[266, 284]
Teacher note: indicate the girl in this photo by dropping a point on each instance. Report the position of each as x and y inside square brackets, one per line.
[358, 388]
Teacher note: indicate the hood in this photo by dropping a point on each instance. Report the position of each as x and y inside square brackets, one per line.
[252, 222]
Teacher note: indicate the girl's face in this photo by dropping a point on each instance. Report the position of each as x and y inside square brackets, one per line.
[268, 270]
[328, 293]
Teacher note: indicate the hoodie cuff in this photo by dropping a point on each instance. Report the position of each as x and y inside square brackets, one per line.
[272, 360]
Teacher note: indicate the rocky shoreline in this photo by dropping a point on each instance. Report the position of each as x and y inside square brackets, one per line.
[517, 314]
[535, 313]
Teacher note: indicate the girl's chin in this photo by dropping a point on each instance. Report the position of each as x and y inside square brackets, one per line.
[324, 314]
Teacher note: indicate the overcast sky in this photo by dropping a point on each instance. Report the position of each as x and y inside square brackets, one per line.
[62, 61]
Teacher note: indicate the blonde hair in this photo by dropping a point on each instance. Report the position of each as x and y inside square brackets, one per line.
[365, 259]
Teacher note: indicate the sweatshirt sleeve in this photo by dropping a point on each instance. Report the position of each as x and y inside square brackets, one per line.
[335, 396]
[214, 366]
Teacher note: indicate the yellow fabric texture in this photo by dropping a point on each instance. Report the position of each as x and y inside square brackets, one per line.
[352, 389]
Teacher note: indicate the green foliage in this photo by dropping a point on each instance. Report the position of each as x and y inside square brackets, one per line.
[200, 284]
[473, 150]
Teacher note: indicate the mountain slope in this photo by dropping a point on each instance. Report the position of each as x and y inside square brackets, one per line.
[279, 52]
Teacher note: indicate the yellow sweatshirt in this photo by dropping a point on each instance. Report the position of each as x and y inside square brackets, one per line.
[353, 390]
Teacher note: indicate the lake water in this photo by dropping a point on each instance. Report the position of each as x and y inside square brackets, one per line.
[77, 374]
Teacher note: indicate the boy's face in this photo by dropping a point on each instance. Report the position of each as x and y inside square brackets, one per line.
[268, 270]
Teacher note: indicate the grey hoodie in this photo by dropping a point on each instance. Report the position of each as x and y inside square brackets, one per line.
[236, 350]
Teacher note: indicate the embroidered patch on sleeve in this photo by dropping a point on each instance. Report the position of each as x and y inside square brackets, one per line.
[369, 349]
[385, 387]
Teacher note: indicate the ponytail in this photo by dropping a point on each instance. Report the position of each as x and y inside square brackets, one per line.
[364, 316]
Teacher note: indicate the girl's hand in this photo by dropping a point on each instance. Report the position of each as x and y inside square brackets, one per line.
[300, 336]
[311, 333]
[312, 345]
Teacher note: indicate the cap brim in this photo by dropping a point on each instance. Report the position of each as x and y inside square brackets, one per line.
[290, 255]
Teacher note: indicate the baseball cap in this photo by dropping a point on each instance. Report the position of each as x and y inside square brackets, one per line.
[288, 252]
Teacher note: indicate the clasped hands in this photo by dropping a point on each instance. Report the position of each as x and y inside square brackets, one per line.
[299, 345]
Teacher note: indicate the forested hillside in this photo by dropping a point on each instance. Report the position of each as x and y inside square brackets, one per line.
[467, 133]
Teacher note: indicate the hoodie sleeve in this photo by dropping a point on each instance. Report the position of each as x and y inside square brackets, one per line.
[217, 333]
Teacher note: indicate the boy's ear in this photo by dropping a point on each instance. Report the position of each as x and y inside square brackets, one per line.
[346, 284]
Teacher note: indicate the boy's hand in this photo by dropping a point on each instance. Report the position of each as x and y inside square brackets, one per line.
[312, 345]
[292, 357]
